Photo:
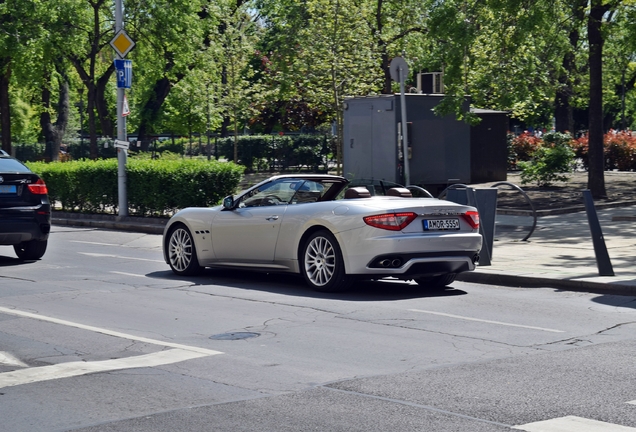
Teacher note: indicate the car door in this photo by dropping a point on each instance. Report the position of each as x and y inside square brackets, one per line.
[248, 233]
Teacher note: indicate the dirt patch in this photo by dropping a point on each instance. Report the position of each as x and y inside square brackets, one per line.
[620, 187]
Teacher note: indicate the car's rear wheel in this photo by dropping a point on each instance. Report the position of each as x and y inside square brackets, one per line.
[322, 265]
[182, 254]
[436, 282]
[30, 250]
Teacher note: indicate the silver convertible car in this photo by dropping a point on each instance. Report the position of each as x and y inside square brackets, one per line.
[332, 234]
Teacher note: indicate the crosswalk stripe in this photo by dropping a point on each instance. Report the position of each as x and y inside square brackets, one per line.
[44, 318]
[72, 369]
[8, 359]
[573, 424]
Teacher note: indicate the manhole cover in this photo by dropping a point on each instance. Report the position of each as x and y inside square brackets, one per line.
[234, 336]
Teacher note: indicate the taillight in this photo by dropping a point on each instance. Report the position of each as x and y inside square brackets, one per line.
[472, 217]
[390, 221]
[38, 188]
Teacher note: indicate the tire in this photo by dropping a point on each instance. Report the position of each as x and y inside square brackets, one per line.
[30, 250]
[321, 263]
[182, 254]
[436, 282]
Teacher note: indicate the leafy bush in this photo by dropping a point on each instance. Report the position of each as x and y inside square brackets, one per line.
[620, 151]
[521, 148]
[154, 187]
[550, 161]
[619, 148]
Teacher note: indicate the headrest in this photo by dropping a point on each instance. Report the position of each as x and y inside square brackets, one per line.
[400, 192]
[357, 192]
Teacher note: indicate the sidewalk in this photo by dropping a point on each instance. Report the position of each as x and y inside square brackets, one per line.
[559, 254]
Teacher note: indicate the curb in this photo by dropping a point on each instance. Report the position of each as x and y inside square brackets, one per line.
[148, 225]
[539, 282]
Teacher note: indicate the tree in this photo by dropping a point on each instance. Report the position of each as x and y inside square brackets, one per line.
[569, 75]
[20, 22]
[93, 25]
[388, 23]
[596, 40]
[171, 38]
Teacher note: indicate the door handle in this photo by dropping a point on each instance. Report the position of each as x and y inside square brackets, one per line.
[272, 218]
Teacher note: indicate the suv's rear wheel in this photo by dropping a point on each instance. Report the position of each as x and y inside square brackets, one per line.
[30, 250]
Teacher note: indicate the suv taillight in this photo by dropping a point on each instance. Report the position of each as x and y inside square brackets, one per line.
[38, 188]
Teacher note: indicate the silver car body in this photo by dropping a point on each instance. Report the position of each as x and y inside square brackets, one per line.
[271, 237]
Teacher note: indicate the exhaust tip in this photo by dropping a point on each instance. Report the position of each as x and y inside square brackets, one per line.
[396, 262]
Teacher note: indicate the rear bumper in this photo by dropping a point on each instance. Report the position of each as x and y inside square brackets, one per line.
[18, 225]
[421, 267]
[410, 255]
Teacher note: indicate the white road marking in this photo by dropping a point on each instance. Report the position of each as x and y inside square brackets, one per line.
[63, 370]
[8, 359]
[107, 332]
[98, 255]
[96, 243]
[632, 402]
[71, 369]
[128, 274]
[486, 321]
[573, 424]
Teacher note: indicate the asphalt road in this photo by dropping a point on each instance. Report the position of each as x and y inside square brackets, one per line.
[100, 336]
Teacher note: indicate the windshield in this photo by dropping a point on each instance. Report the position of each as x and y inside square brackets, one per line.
[286, 191]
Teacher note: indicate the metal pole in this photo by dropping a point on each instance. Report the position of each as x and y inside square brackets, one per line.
[405, 131]
[600, 249]
[122, 154]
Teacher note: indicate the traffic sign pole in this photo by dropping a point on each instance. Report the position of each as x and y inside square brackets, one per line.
[122, 153]
[399, 70]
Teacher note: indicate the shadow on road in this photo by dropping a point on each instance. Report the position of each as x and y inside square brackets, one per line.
[616, 301]
[10, 261]
[294, 285]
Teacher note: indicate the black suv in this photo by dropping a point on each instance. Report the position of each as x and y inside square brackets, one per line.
[25, 211]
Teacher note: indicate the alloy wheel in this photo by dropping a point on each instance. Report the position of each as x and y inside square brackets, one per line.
[320, 261]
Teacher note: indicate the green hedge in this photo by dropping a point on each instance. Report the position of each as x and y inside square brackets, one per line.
[278, 152]
[154, 187]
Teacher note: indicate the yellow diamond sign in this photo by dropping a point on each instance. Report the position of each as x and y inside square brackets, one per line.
[122, 43]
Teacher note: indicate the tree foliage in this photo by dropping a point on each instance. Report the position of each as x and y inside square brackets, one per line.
[270, 65]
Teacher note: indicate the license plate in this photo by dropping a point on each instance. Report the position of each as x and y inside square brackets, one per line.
[440, 224]
[7, 189]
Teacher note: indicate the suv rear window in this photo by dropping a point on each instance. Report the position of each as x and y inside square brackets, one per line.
[8, 165]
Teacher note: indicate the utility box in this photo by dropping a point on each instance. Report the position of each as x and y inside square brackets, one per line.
[489, 146]
[439, 147]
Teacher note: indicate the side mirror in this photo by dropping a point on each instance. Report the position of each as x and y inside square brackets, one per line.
[228, 202]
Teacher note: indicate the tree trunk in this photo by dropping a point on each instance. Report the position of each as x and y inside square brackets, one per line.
[5, 110]
[596, 179]
[100, 103]
[53, 134]
[563, 115]
[151, 109]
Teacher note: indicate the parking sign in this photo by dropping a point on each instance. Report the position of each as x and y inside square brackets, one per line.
[123, 70]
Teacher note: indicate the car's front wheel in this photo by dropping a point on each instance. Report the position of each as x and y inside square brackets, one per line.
[182, 254]
[30, 250]
[322, 265]
[436, 282]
